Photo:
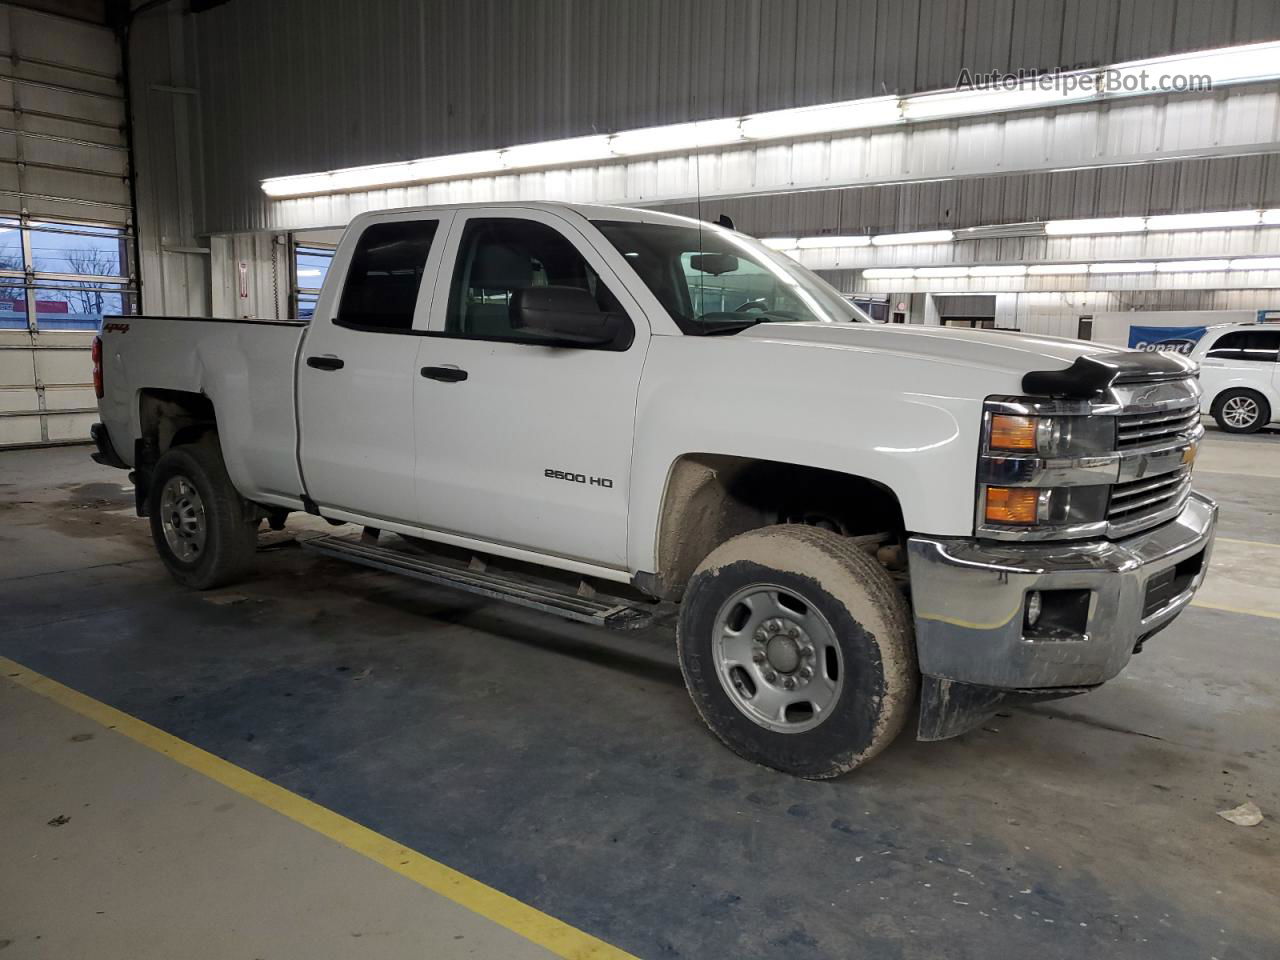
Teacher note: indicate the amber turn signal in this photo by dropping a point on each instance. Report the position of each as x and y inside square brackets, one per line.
[1013, 433]
[1012, 505]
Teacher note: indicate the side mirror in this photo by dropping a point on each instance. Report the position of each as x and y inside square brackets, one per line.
[568, 316]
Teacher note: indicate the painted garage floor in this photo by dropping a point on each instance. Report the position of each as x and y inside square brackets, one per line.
[567, 768]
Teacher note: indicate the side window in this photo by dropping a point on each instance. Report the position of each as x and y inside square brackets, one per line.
[381, 288]
[1257, 346]
[499, 256]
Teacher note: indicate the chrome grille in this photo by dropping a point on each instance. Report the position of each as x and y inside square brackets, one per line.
[1136, 500]
[1141, 429]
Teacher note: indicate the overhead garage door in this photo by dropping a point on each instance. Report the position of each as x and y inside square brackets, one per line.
[66, 238]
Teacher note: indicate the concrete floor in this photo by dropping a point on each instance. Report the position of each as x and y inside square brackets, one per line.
[567, 768]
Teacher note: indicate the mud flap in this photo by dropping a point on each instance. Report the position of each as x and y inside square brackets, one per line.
[949, 708]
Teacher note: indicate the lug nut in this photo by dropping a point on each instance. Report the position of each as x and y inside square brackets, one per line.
[790, 683]
[771, 676]
[761, 636]
[805, 673]
[807, 653]
[794, 633]
[758, 656]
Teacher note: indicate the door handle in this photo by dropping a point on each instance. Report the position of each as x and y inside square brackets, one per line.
[325, 363]
[445, 374]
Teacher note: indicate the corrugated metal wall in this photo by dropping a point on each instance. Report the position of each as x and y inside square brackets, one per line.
[302, 85]
[1176, 186]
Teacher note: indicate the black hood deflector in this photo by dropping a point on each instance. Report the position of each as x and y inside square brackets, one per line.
[1090, 376]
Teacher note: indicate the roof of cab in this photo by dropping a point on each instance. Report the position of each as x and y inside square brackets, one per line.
[590, 211]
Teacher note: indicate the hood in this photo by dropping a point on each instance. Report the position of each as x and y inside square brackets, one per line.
[1078, 368]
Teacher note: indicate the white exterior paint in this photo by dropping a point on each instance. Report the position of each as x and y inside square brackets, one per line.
[1219, 375]
[898, 405]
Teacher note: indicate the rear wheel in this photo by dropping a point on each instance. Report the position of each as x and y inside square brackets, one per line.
[199, 522]
[797, 650]
[1241, 411]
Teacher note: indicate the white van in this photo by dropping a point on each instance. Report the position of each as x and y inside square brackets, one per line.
[1240, 375]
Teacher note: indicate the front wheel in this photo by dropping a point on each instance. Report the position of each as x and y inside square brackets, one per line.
[198, 519]
[1241, 411]
[797, 650]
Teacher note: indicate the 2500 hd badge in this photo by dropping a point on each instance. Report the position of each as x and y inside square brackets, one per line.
[576, 477]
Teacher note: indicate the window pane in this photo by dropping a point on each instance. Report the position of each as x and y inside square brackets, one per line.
[306, 306]
[10, 246]
[386, 270]
[80, 307]
[499, 256]
[13, 300]
[312, 266]
[88, 251]
[1247, 346]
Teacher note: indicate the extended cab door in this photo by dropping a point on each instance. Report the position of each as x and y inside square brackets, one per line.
[521, 443]
[357, 373]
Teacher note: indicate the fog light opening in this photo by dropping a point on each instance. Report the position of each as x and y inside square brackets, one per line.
[1034, 606]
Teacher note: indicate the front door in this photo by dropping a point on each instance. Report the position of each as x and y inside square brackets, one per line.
[521, 443]
[357, 373]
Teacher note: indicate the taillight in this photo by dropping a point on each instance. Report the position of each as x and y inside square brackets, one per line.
[96, 354]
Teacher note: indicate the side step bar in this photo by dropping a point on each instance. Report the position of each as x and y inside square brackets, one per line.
[521, 591]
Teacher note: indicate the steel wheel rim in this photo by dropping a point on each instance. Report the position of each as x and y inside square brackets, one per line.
[777, 658]
[182, 519]
[1240, 411]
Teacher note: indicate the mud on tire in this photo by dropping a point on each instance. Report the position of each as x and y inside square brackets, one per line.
[801, 589]
[198, 520]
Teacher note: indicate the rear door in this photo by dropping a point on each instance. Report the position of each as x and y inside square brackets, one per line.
[525, 444]
[357, 372]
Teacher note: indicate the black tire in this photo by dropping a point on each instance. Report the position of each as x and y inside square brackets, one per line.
[1248, 400]
[871, 625]
[226, 550]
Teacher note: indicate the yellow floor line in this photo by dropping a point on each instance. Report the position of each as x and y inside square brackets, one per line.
[1245, 610]
[520, 918]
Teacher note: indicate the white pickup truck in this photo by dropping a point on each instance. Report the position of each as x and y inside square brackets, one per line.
[618, 415]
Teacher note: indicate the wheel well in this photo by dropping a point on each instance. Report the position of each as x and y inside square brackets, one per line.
[167, 418]
[171, 417]
[711, 498]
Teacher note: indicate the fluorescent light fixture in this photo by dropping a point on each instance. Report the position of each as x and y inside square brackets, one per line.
[675, 137]
[1226, 65]
[924, 236]
[780, 243]
[941, 272]
[1028, 95]
[1056, 269]
[1009, 270]
[1136, 267]
[825, 118]
[1204, 221]
[1067, 228]
[556, 153]
[308, 272]
[832, 243]
[1271, 216]
[888, 273]
[1256, 263]
[1191, 266]
[1186, 72]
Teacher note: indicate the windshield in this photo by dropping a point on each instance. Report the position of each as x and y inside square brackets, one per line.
[714, 281]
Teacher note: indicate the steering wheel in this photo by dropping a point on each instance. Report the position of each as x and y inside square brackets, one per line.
[761, 304]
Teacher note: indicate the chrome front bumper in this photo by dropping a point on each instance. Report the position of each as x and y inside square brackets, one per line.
[970, 601]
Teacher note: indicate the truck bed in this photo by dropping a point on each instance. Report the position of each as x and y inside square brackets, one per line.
[245, 368]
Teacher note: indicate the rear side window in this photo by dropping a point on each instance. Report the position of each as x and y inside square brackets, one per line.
[1259, 346]
[382, 283]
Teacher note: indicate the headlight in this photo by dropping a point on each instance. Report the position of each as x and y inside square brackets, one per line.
[1046, 469]
[1049, 436]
